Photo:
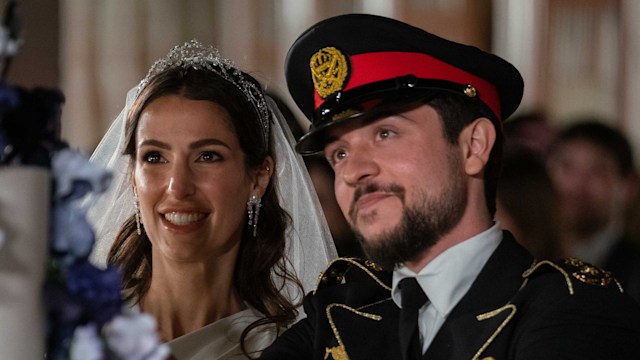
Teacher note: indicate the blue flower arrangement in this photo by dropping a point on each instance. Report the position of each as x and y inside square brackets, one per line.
[86, 317]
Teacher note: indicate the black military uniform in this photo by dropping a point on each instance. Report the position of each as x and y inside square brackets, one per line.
[516, 308]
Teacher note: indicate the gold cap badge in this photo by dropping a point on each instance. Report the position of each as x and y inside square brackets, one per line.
[329, 70]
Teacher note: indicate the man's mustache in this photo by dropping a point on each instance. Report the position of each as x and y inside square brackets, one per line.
[364, 189]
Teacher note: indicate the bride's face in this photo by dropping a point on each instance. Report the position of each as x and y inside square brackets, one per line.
[191, 180]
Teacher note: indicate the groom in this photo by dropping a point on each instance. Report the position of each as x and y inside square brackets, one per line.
[412, 126]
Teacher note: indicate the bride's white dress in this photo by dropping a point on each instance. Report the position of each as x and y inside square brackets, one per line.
[221, 339]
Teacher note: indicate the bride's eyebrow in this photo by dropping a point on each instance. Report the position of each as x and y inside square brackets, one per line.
[156, 143]
[207, 142]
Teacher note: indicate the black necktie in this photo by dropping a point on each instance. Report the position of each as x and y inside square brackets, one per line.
[412, 300]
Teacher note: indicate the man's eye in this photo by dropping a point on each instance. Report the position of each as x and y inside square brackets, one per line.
[385, 133]
[338, 156]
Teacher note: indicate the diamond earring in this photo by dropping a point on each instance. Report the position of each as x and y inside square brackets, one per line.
[136, 204]
[253, 210]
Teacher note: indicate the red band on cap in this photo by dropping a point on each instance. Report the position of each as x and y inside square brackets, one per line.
[377, 66]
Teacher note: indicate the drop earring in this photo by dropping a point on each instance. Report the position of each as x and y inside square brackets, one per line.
[253, 210]
[136, 204]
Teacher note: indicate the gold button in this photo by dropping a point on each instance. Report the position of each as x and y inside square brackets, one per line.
[470, 91]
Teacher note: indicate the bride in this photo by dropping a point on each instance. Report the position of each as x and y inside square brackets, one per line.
[211, 216]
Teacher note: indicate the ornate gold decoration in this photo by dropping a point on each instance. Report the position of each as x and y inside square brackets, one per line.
[577, 269]
[588, 273]
[344, 114]
[470, 91]
[373, 266]
[336, 353]
[329, 70]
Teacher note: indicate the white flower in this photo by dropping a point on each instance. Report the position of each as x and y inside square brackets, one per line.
[133, 336]
[86, 344]
[8, 47]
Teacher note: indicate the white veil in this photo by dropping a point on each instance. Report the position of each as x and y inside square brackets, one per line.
[309, 244]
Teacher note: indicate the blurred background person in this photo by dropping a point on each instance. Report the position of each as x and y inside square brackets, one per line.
[526, 199]
[592, 168]
[527, 204]
[529, 131]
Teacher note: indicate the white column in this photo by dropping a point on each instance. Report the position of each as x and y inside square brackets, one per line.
[516, 35]
[120, 43]
[24, 220]
[77, 76]
[631, 91]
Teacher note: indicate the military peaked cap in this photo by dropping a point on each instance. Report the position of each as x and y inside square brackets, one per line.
[350, 65]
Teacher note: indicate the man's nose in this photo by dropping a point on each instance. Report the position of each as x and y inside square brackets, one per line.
[359, 166]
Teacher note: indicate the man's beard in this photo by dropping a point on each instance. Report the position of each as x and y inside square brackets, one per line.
[422, 225]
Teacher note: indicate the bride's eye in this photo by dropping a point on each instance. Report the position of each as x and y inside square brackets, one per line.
[152, 157]
[209, 156]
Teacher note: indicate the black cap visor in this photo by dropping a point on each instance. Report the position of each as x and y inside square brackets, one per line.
[373, 100]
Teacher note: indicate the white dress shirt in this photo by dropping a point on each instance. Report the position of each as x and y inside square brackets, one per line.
[446, 279]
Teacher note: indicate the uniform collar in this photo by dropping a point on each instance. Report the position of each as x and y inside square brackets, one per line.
[449, 276]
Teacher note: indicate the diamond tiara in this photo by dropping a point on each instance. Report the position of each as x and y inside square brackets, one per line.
[193, 54]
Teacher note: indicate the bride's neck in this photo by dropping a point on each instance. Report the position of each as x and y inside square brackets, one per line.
[187, 298]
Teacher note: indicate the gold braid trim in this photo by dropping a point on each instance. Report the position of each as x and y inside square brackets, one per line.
[536, 266]
[619, 285]
[340, 352]
[374, 304]
[489, 315]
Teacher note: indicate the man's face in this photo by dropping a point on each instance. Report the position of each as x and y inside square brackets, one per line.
[398, 181]
[590, 187]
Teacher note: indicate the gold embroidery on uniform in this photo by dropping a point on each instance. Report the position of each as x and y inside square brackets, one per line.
[329, 69]
[485, 316]
[324, 277]
[374, 304]
[336, 353]
[619, 285]
[370, 264]
[588, 273]
[340, 350]
[536, 266]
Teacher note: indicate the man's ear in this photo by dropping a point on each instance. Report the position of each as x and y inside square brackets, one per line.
[476, 141]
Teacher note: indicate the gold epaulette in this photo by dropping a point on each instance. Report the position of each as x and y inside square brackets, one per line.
[335, 272]
[574, 269]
